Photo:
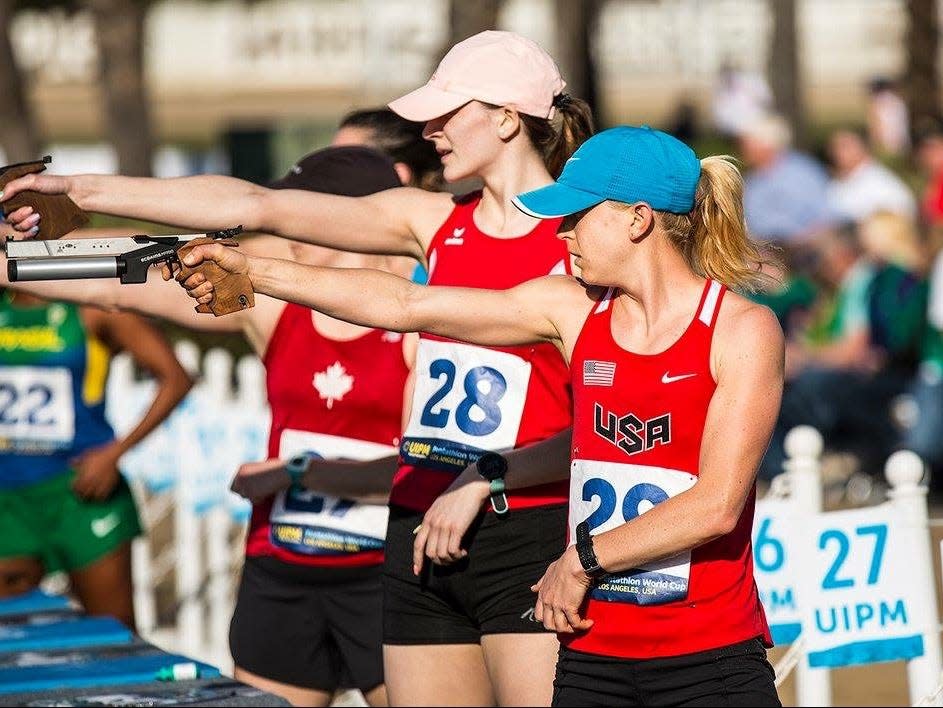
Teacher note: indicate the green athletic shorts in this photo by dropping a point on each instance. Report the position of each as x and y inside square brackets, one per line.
[48, 521]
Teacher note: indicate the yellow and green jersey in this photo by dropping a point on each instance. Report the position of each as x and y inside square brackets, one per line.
[52, 390]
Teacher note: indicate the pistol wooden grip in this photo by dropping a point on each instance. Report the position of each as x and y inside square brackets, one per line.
[58, 213]
[231, 292]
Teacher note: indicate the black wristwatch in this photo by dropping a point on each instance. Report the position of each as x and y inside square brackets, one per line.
[584, 549]
[493, 467]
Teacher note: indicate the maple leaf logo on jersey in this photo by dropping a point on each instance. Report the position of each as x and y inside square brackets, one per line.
[333, 383]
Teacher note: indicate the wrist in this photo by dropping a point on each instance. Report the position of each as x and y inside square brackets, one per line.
[493, 467]
[586, 552]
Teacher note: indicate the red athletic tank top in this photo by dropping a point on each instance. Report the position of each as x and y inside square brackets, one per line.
[340, 399]
[471, 399]
[638, 425]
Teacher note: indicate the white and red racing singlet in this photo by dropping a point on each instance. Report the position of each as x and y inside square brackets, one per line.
[638, 425]
[341, 400]
[470, 399]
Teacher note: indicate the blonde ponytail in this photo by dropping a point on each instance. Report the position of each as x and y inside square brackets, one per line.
[713, 235]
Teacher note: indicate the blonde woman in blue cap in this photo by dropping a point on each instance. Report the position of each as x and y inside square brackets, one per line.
[677, 383]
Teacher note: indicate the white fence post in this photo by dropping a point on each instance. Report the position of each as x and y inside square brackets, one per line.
[188, 542]
[904, 471]
[803, 465]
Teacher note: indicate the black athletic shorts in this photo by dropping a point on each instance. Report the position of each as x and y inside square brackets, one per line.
[487, 592]
[735, 675]
[318, 628]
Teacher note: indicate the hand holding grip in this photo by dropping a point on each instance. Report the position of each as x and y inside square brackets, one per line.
[58, 213]
[231, 291]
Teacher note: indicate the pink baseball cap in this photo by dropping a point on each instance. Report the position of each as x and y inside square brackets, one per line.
[502, 68]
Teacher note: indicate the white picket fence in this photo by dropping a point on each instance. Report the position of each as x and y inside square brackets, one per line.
[868, 572]
[181, 475]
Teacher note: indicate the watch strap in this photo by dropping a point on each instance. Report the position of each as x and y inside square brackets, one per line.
[499, 500]
[585, 551]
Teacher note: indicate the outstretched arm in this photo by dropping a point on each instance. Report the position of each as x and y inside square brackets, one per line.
[520, 315]
[397, 221]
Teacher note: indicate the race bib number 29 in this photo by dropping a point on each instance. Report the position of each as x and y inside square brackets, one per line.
[37, 414]
[467, 400]
[609, 494]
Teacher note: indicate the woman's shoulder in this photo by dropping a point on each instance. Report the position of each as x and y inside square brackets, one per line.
[743, 322]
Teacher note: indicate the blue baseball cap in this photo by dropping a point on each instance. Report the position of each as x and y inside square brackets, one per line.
[625, 164]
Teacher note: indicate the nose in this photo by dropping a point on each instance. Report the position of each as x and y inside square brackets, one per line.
[432, 127]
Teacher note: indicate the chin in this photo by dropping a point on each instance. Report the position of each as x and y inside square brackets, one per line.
[455, 173]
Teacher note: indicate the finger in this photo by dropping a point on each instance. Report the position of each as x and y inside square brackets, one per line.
[539, 610]
[17, 185]
[560, 622]
[441, 548]
[190, 279]
[16, 217]
[419, 548]
[165, 272]
[577, 623]
[198, 291]
[455, 550]
[209, 252]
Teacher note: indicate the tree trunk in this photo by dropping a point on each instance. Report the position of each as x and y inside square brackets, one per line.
[784, 75]
[921, 77]
[468, 17]
[575, 22]
[119, 26]
[19, 134]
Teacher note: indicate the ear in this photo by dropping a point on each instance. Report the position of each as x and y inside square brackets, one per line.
[404, 172]
[509, 123]
[642, 221]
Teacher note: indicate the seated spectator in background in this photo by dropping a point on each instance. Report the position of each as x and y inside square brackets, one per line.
[740, 98]
[929, 151]
[792, 293]
[843, 376]
[783, 191]
[888, 118]
[861, 185]
[925, 436]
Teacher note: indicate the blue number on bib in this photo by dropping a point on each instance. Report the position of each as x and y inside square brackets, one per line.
[607, 500]
[639, 493]
[487, 401]
[45, 397]
[597, 487]
[441, 418]
[7, 400]
[9, 397]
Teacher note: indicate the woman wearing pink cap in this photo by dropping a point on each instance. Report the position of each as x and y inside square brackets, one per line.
[462, 629]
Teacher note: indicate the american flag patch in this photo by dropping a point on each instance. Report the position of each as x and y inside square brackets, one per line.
[598, 373]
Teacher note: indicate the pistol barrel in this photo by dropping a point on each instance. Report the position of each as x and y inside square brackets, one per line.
[62, 268]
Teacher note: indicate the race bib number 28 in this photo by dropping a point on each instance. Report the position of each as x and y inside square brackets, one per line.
[609, 494]
[37, 414]
[467, 400]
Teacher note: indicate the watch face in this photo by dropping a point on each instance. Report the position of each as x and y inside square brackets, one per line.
[492, 466]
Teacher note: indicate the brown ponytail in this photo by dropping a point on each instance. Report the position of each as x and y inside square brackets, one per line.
[557, 138]
[713, 235]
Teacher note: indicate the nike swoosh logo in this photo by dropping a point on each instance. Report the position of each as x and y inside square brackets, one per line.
[105, 525]
[665, 379]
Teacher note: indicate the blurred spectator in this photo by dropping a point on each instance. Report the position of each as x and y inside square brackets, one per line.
[844, 375]
[861, 185]
[783, 191]
[888, 118]
[925, 437]
[740, 99]
[930, 158]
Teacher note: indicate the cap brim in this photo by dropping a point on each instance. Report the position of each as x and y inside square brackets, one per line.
[427, 103]
[555, 200]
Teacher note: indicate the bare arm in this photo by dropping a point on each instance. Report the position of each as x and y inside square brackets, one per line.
[740, 420]
[97, 468]
[397, 221]
[519, 315]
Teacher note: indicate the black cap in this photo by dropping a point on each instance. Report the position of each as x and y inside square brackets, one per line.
[350, 171]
